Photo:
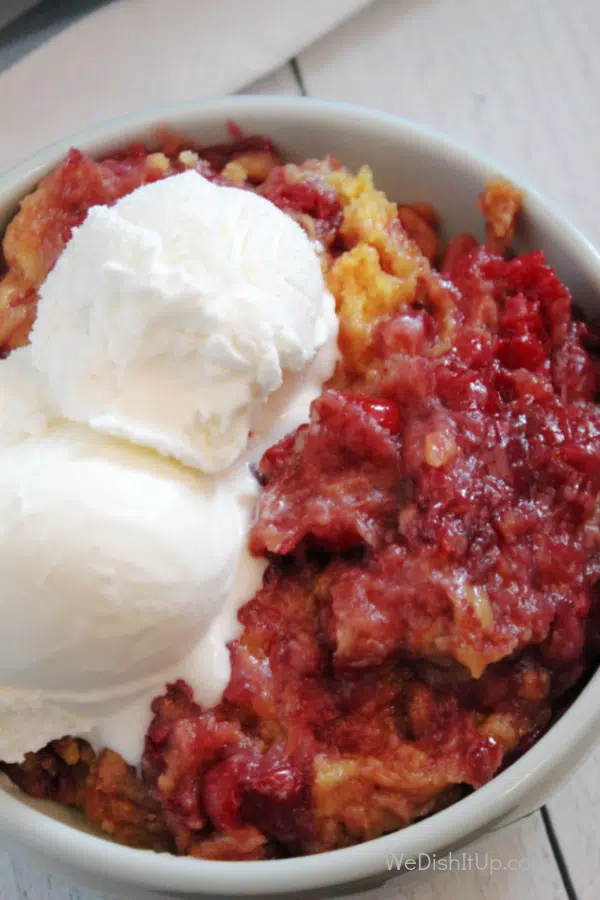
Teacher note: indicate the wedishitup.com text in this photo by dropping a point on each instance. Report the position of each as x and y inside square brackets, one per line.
[454, 862]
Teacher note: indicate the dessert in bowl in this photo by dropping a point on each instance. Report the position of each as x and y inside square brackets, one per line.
[414, 513]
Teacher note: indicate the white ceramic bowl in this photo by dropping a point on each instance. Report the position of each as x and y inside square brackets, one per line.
[410, 163]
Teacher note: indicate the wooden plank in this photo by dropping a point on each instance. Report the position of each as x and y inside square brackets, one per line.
[515, 80]
[21, 880]
[575, 814]
[8, 886]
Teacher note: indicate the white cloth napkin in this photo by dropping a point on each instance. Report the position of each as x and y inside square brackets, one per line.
[133, 54]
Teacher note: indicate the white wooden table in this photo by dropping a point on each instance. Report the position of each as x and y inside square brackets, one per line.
[518, 79]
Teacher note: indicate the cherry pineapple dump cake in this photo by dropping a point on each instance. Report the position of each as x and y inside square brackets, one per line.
[432, 533]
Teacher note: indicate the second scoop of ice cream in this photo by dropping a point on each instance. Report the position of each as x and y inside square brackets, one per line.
[114, 563]
[172, 316]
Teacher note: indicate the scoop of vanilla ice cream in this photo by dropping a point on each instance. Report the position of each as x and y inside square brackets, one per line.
[107, 520]
[173, 315]
[115, 561]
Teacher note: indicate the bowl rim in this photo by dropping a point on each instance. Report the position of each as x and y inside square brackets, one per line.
[564, 745]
